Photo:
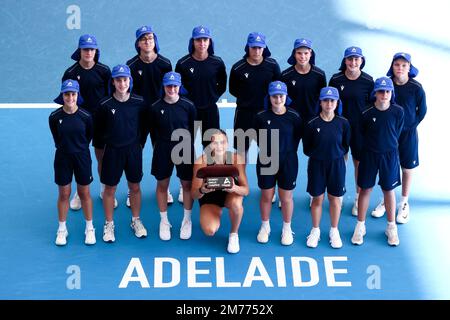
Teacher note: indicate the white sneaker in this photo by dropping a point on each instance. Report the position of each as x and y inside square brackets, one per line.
[274, 198]
[335, 239]
[61, 237]
[164, 230]
[233, 243]
[392, 235]
[287, 237]
[379, 210]
[186, 229]
[403, 213]
[75, 203]
[108, 232]
[138, 228]
[313, 238]
[355, 208]
[90, 237]
[180, 195]
[358, 234]
[169, 197]
[115, 200]
[128, 203]
[263, 235]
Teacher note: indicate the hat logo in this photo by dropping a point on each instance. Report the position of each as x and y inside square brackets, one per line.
[353, 49]
[403, 54]
[121, 69]
[69, 84]
[304, 41]
[140, 72]
[192, 70]
[294, 82]
[318, 129]
[144, 29]
[278, 86]
[268, 122]
[246, 75]
[374, 119]
[113, 111]
[89, 39]
[329, 92]
[172, 77]
[162, 111]
[258, 38]
[383, 83]
[202, 30]
[60, 121]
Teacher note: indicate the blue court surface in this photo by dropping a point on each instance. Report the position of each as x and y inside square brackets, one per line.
[35, 47]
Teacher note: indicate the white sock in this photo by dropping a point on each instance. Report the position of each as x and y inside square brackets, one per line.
[404, 199]
[266, 225]
[360, 223]
[187, 214]
[391, 224]
[341, 199]
[89, 225]
[109, 222]
[315, 229]
[287, 226]
[333, 229]
[356, 197]
[134, 218]
[62, 226]
[102, 188]
[164, 217]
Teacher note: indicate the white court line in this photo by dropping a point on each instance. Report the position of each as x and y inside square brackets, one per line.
[223, 104]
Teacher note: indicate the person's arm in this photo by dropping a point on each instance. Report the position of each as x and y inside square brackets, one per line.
[53, 129]
[222, 80]
[346, 137]
[234, 83]
[198, 187]
[242, 189]
[89, 129]
[307, 141]
[99, 128]
[421, 106]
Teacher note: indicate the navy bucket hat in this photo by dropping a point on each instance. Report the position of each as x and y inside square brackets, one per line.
[143, 31]
[198, 33]
[352, 52]
[172, 79]
[86, 41]
[302, 43]
[69, 85]
[413, 71]
[257, 39]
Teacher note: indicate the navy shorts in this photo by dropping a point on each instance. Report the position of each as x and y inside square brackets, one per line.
[216, 197]
[286, 175]
[210, 120]
[162, 164]
[77, 164]
[356, 141]
[386, 164]
[244, 119]
[118, 160]
[408, 148]
[326, 175]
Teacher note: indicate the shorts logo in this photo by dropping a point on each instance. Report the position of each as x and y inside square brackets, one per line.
[113, 111]
[342, 88]
[394, 183]
[162, 111]
[268, 122]
[294, 82]
[414, 162]
[140, 72]
[192, 70]
[293, 183]
[318, 129]
[78, 77]
[60, 121]
[374, 119]
[246, 75]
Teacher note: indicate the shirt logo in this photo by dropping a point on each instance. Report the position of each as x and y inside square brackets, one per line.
[113, 111]
[268, 122]
[342, 88]
[374, 119]
[294, 82]
[162, 111]
[78, 77]
[140, 72]
[60, 121]
[246, 75]
[318, 129]
[192, 70]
